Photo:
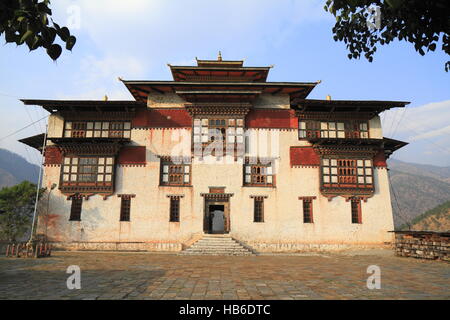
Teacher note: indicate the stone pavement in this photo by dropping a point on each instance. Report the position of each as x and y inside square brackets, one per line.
[115, 275]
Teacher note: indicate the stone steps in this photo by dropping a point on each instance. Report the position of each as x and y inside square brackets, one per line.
[217, 244]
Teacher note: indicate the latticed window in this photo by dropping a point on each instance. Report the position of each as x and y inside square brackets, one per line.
[174, 209]
[308, 129]
[348, 173]
[175, 174]
[307, 211]
[229, 131]
[97, 129]
[259, 174]
[333, 129]
[125, 208]
[258, 213]
[87, 170]
[356, 211]
[75, 209]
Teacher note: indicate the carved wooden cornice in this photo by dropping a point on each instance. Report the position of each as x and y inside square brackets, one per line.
[238, 110]
[347, 193]
[347, 150]
[79, 194]
[89, 146]
[217, 196]
[334, 115]
[92, 115]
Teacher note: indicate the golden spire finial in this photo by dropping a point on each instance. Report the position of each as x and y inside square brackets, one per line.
[219, 57]
[105, 98]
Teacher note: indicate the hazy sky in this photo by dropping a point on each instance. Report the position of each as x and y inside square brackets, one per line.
[135, 39]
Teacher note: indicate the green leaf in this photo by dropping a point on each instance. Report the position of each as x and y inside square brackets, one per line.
[25, 36]
[63, 33]
[54, 51]
[70, 42]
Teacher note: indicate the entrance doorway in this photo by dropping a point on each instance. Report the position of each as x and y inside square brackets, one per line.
[217, 219]
[216, 213]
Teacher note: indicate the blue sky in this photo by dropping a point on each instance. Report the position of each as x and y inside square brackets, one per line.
[135, 39]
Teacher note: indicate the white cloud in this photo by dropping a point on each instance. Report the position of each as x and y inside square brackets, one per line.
[416, 123]
[173, 30]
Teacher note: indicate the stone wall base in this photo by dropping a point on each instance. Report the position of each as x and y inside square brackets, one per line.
[177, 247]
[313, 247]
[118, 246]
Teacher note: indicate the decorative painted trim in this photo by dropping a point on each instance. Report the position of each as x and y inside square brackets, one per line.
[126, 196]
[259, 196]
[307, 198]
[347, 197]
[132, 165]
[306, 166]
[305, 115]
[175, 196]
[217, 196]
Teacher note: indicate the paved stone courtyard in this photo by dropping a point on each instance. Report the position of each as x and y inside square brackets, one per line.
[114, 275]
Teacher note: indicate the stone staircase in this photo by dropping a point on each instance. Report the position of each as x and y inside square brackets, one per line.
[219, 245]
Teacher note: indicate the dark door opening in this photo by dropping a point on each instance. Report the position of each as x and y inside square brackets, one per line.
[216, 218]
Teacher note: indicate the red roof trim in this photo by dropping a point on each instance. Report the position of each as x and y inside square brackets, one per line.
[132, 155]
[271, 118]
[304, 156]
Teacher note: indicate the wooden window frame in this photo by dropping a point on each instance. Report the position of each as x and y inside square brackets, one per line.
[125, 209]
[259, 174]
[172, 170]
[356, 212]
[233, 132]
[308, 216]
[97, 129]
[174, 209]
[337, 172]
[75, 209]
[258, 209]
[75, 171]
[333, 129]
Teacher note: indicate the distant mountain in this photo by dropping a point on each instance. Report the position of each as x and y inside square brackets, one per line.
[439, 173]
[436, 219]
[15, 169]
[418, 188]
